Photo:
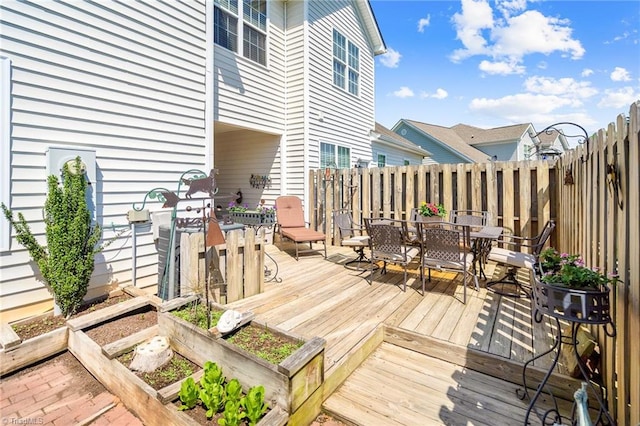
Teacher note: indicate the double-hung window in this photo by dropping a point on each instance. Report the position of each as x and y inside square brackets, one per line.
[334, 156]
[346, 64]
[241, 26]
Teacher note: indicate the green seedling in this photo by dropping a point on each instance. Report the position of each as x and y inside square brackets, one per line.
[234, 390]
[254, 405]
[189, 393]
[212, 374]
[212, 396]
[232, 415]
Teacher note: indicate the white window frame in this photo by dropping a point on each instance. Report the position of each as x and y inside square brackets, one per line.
[336, 156]
[5, 148]
[246, 23]
[346, 63]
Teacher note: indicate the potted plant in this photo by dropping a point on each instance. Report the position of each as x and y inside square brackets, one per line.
[260, 215]
[568, 289]
[431, 212]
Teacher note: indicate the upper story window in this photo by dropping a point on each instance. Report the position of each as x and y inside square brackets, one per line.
[252, 29]
[346, 64]
[334, 156]
[382, 160]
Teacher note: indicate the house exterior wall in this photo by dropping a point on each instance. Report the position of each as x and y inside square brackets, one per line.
[335, 115]
[125, 79]
[439, 153]
[246, 93]
[394, 157]
[502, 151]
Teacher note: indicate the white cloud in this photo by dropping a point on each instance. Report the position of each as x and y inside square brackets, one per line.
[439, 94]
[509, 38]
[620, 74]
[567, 87]
[424, 22]
[391, 58]
[501, 68]
[475, 17]
[543, 65]
[403, 92]
[619, 98]
[586, 72]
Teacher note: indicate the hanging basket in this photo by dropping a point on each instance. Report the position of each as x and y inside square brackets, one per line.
[577, 305]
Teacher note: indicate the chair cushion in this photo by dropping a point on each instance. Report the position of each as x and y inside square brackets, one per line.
[357, 241]
[302, 234]
[512, 258]
[289, 212]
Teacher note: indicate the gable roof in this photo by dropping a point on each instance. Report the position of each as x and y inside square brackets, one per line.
[388, 137]
[475, 135]
[371, 25]
[449, 138]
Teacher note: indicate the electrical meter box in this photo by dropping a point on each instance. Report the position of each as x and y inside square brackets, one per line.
[56, 159]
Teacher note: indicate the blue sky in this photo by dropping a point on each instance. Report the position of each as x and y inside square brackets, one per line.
[496, 63]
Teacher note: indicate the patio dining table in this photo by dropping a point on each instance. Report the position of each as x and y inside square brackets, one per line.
[482, 239]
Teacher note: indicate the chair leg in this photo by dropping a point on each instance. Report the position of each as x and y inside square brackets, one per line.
[508, 280]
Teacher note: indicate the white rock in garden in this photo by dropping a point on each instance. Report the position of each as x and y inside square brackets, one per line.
[152, 354]
[228, 321]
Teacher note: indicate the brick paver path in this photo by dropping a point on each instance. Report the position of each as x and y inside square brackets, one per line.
[49, 396]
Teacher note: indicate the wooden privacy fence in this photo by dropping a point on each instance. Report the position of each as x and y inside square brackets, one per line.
[597, 216]
[236, 268]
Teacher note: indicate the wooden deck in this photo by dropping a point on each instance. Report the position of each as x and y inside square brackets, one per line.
[435, 335]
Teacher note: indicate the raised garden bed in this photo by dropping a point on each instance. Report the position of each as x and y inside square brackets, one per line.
[28, 341]
[288, 384]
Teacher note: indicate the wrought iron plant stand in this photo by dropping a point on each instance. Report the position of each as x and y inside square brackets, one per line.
[578, 307]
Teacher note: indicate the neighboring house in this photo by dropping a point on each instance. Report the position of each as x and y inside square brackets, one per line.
[141, 91]
[390, 149]
[468, 144]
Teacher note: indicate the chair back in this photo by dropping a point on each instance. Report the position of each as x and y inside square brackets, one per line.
[343, 222]
[542, 238]
[386, 240]
[289, 212]
[446, 241]
[473, 218]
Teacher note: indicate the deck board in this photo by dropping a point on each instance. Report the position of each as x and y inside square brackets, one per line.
[320, 297]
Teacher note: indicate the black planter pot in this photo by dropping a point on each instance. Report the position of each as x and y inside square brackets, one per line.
[586, 306]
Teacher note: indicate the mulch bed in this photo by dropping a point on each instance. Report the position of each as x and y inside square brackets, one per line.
[118, 328]
[42, 325]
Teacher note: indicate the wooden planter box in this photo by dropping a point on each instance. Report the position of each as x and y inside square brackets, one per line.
[288, 385]
[16, 353]
[153, 407]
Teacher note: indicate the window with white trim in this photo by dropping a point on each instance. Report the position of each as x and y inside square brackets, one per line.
[334, 156]
[382, 160]
[346, 64]
[406, 162]
[252, 30]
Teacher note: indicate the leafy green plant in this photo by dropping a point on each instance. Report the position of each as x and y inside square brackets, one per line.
[212, 374]
[254, 405]
[189, 394]
[569, 270]
[212, 396]
[233, 390]
[196, 313]
[232, 416]
[66, 262]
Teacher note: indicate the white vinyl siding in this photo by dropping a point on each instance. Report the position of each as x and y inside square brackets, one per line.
[5, 147]
[334, 113]
[247, 94]
[124, 79]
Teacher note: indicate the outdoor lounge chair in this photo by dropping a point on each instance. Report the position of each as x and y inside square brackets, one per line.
[290, 224]
[515, 259]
